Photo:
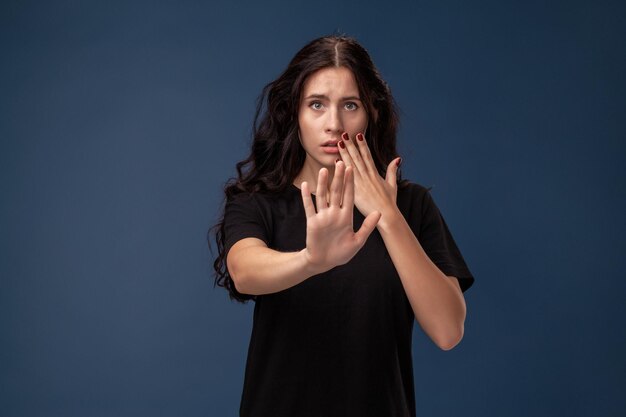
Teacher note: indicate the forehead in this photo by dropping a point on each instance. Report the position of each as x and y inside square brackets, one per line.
[332, 81]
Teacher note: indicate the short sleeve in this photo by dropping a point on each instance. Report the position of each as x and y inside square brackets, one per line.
[243, 218]
[439, 245]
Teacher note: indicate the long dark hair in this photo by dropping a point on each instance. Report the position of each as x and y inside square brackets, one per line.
[277, 156]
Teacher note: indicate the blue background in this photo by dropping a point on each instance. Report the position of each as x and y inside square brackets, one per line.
[121, 121]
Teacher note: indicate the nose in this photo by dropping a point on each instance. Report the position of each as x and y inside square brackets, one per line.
[334, 122]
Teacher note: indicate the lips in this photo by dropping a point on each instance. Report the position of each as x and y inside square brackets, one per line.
[330, 143]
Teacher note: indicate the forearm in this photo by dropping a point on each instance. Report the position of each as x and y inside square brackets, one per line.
[260, 270]
[438, 305]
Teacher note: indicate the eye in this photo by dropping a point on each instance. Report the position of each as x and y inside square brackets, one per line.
[351, 105]
[315, 105]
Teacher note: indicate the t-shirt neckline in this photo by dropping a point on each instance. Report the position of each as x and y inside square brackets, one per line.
[295, 187]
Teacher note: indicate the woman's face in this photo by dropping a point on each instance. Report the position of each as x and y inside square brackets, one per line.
[330, 105]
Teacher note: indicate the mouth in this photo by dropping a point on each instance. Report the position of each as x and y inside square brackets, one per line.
[330, 147]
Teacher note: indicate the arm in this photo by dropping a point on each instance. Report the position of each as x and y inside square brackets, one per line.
[256, 269]
[330, 241]
[436, 299]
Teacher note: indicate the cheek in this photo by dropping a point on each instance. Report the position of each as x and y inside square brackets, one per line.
[358, 123]
[308, 126]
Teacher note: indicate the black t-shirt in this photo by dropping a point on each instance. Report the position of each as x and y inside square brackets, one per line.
[338, 343]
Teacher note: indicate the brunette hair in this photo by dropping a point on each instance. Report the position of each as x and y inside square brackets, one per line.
[277, 156]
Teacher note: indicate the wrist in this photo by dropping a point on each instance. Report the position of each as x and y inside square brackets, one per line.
[389, 218]
[310, 268]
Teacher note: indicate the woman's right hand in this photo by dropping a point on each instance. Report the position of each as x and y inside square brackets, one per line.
[330, 236]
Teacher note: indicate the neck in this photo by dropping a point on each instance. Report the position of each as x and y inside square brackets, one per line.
[309, 173]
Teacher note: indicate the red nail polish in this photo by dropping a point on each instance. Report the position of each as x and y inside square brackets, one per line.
[342, 145]
[399, 162]
[360, 137]
[344, 136]
[337, 160]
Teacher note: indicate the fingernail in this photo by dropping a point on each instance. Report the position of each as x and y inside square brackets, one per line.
[360, 137]
[399, 162]
[342, 145]
[344, 136]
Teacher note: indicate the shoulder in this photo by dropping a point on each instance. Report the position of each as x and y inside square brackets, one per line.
[408, 186]
[260, 196]
[411, 193]
[267, 203]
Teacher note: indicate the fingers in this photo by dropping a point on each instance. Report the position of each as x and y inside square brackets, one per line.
[392, 171]
[336, 186]
[365, 152]
[309, 208]
[348, 190]
[320, 194]
[368, 226]
[350, 154]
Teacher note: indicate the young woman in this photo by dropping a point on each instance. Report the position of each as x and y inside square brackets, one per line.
[334, 307]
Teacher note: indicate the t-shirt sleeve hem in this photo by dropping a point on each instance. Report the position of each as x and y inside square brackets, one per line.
[465, 277]
[242, 219]
[236, 237]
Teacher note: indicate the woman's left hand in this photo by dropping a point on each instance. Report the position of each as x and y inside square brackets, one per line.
[371, 192]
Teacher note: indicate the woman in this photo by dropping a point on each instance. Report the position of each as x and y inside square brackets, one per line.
[334, 308]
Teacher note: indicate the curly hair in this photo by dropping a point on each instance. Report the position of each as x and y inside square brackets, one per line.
[277, 156]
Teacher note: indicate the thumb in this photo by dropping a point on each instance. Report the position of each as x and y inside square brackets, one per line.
[368, 226]
[392, 170]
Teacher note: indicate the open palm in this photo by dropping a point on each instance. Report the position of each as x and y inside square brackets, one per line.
[330, 236]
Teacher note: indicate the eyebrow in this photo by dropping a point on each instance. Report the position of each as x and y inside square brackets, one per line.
[322, 96]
